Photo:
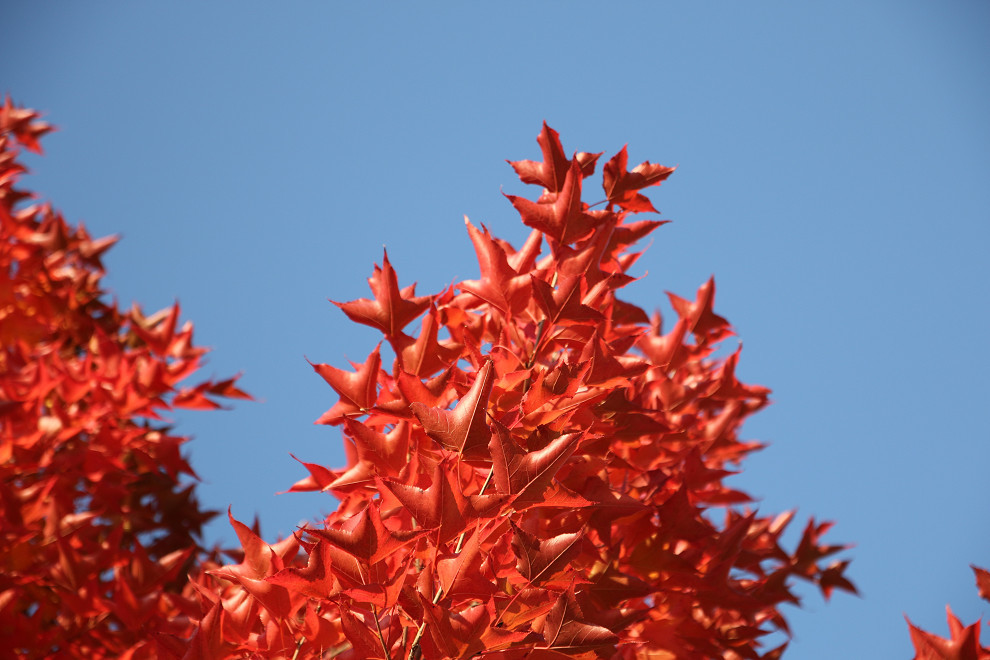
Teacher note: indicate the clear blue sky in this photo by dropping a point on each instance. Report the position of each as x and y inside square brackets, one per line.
[834, 175]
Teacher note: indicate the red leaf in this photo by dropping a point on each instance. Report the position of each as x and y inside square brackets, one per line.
[316, 580]
[465, 428]
[563, 629]
[964, 643]
[371, 453]
[365, 536]
[460, 575]
[424, 356]
[833, 578]
[662, 349]
[442, 506]
[383, 588]
[259, 558]
[527, 475]
[392, 309]
[539, 560]
[358, 390]
[982, 581]
[359, 633]
[552, 172]
[701, 320]
[273, 597]
[319, 478]
[500, 285]
[562, 218]
[207, 642]
[621, 186]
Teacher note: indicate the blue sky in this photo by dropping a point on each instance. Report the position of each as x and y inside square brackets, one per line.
[834, 161]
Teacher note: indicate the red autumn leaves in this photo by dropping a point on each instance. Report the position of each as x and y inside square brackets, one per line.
[963, 642]
[535, 467]
[97, 529]
[537, 473]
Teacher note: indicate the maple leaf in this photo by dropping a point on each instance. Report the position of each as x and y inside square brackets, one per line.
[319, 478]
[963, 644]
[273, 597]
[424, 356]
[564, 628]
[524, 608]
[662, 349]
[621, 186]
[463, 633]
[316, 580]
[460, 575]
[700, 318]
[500, 285]
[612, 587]
[552, 172]
[386, 453]
[359, 634]
[810, 549]
[523, 260]
[625, 235]
[208, 641]
[608, 371]
[540, 560]
[196, 398]
[392, 309]
[564, 218]
[442, 506]
[465, 428]
[365, 536]
[382, 587]
[259, 558]
[527, 475]
[358, 390]
[833, 578]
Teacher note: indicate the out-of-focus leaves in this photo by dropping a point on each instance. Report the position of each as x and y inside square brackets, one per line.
[99, 522]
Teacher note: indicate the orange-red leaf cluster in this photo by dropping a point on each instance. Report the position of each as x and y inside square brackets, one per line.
[540, 472]
[98, 520]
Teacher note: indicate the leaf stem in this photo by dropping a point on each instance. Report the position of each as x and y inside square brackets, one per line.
[414, 651]
[488, 480]
[381, 637]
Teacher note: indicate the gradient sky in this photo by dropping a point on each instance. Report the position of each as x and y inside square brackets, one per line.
[834, 176]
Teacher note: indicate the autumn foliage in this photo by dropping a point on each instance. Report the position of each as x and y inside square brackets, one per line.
[97, 527]
[539, 473]
[963, 642]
